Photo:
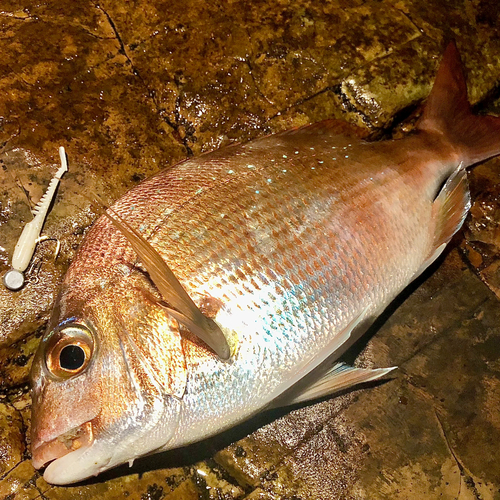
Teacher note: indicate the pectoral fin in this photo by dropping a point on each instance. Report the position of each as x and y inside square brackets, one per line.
[205, 329]
[183, 308]
[339, 378]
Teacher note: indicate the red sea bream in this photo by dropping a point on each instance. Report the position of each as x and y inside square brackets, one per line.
[211, 289]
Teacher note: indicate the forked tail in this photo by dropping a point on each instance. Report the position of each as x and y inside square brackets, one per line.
[448, 112]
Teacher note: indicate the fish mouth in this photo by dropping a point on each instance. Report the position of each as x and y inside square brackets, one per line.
[72, 440]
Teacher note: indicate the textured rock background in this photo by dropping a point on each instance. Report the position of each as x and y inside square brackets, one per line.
[131, 87]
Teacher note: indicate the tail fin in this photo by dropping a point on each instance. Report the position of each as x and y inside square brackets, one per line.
[447, 111]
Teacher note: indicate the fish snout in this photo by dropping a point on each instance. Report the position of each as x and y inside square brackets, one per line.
[43, 451]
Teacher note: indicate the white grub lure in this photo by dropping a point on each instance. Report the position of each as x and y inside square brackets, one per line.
[30, 237]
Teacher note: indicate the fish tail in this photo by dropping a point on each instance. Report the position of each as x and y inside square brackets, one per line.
[448, 112]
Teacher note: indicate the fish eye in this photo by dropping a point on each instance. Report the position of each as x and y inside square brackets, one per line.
[69, 350]
[72, 357]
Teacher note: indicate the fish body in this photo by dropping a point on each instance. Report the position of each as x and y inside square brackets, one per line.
[291, 244]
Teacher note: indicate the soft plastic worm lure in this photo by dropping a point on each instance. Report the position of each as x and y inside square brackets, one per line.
[30, 237]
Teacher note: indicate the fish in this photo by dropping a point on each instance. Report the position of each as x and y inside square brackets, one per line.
[233, 282]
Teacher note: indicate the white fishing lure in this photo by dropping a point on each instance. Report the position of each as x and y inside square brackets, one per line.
[30, 237]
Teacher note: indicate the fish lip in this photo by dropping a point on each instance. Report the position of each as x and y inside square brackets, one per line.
[81, 436]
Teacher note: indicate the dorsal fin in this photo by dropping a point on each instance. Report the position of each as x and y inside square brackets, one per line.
[330, 126]
[183, 308]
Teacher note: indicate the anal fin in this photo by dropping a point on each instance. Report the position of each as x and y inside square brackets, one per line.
[338, 378]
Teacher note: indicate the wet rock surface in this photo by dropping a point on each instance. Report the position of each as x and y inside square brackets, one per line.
[129, 88]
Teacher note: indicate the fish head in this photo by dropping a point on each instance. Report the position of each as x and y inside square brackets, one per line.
[107, 383]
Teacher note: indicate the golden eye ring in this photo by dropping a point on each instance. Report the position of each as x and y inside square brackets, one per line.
[69, 351]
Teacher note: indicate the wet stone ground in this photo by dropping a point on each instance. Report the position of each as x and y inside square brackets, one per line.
[131, 87]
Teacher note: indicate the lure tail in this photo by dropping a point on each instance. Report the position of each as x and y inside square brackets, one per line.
[42, 207]
[448, 112]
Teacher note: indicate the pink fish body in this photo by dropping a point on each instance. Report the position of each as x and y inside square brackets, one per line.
[287, 246]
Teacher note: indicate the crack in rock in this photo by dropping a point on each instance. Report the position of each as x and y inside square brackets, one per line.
[259, 91]
[407, 16]
[464, 474]
[151, 93]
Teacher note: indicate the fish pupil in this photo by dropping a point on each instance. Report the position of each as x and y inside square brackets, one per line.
[72, 357]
